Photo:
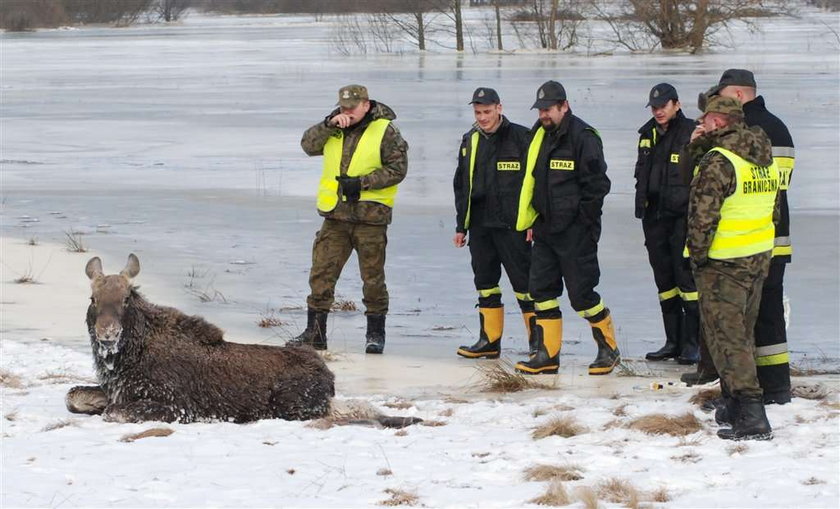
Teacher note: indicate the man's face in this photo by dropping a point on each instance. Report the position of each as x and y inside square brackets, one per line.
[552, 116]
[356, 113]
[487, 116]
[664, 114]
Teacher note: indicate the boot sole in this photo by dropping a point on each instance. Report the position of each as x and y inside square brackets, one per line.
[662, 358]
[477, 355]
[547, 370]
[603, 370]
[759, 436]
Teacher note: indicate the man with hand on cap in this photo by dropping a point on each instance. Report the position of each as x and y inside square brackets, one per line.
[772, 355]
[732, 206]
[491, 164]
[661, 204]
[562, 197]
[365, 157]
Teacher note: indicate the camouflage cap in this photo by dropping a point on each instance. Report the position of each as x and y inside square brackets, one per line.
[724, 105]
[351, 95]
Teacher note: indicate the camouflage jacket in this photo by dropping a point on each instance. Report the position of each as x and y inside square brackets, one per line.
[394, 154]
[715, 180]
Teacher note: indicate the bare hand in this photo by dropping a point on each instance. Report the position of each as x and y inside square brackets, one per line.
[698, 132]
[460, 239]
[529, 235]
[341, 120]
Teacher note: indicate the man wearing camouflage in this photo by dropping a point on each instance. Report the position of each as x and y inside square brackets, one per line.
[732, 207]
[365, 157]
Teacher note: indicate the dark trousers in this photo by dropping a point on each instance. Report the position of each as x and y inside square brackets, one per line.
[569, 257]
[770, 335]
[665, 241]
[494, 248]
[334, 243]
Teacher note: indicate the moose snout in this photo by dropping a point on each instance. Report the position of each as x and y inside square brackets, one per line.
[108, 335]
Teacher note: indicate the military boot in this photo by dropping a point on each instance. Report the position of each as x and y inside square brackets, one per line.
[689, 349]
[671, 350]
[547, 333]
[489, 344]
[530, 317]
[375, 337]
[706, 371]
[751, 422]
[315, 334]
[608, 356]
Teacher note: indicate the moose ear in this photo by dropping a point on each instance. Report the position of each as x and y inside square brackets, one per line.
[132, 267]
[94, 267]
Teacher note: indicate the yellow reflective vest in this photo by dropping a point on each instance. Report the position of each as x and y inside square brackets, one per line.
[746, 217]
[365, 159]
[527, 214]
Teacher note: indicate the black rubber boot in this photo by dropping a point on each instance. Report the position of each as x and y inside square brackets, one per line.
[689, 348]
[375, 334]
[547, 333]
[751, 422]
[489, 344]
[315, 334]
[727, 413]
[671, 350]
[777, 398]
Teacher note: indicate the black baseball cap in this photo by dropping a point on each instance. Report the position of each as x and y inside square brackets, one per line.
[484, 95]
[661, 94]
[549, 93]
[733, 77]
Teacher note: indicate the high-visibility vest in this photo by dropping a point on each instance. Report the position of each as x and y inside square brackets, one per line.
[746, 217]
[365, 159]
[473, 151]
[526, 214]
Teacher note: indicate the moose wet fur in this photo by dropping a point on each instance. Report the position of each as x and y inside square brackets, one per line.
[156, 363]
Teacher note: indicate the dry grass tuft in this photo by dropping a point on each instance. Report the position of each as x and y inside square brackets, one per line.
[268, 322]
[454, 401]
[502, 377]
[330, 356]
[620, 410]
[446, 412]
[690, 442]
[588, 496]
[10, 380]
[33, 241]
[62, 377]
[401, 433]
[63, 423]
[661, 424]
[432, 424]
[321, 424]
[400, 404]
[615, 423]
[817, 391]
[689, 457]
[832, 405]
[384, 472]
[151, 432]
[11, 416]
[704, 395]
[344, 305]
[812, 481]
[553, 472]
[400, 497]
[738, 448]
[73, 242]
[555, 496]
[24, 279]
[618, 491]
[660, 495]
[566, 426]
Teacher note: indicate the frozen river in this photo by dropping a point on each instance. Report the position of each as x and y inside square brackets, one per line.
[181, 143]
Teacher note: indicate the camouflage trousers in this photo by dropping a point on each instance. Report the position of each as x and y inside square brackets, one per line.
[730, 294]
[334, 243]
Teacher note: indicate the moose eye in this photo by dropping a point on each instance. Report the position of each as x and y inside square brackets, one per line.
[93, 301]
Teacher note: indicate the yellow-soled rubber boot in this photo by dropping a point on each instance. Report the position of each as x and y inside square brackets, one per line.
[530, 317]
[608, 356]
[489, 344]
[548, 335]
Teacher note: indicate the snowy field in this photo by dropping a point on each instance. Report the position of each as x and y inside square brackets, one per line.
[181, 144]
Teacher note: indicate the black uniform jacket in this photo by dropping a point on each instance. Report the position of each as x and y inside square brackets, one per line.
[492, 196]
[659, 182]
[570, 177]
[755, 113]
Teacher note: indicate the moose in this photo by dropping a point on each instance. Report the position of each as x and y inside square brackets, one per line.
[155, 363]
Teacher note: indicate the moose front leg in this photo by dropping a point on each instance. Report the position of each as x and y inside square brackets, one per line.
[140, 411]
[86, 399]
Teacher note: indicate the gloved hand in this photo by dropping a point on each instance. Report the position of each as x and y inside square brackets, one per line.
[351, 188]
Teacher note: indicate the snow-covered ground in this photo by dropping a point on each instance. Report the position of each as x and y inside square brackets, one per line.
[181, 144]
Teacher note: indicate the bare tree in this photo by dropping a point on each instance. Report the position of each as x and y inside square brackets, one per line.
[170, 10]
[499, 46]
[679, 24]
[414, 20]
[349, 36]
[551, 24]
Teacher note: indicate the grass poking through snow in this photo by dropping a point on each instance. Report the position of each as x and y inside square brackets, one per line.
[400, 497]
[661, 424]
[151, 432]
[552, 472]
[10, 380]
[502, 377]
[554, 496]
[704, 395]
[566, 426]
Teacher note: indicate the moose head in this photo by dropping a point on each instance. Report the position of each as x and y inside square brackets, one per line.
[108, 300]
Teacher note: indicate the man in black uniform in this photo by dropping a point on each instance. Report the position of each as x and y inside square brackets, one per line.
[562, 196]
[661, 204]
[771, 356]
[491, 163]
